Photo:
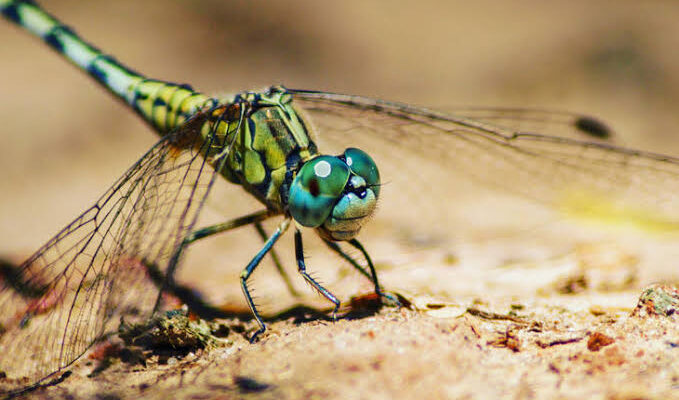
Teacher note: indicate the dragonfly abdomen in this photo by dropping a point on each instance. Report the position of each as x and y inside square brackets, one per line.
[164, 105]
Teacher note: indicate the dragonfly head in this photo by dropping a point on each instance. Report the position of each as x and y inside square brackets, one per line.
[335, 194]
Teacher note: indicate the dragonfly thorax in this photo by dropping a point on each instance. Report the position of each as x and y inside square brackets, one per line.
[335, 194]
[270, 144]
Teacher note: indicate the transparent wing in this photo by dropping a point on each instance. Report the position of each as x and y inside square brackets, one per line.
[449, 176]
[70, 292]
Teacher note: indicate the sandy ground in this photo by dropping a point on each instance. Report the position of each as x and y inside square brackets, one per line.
[491, 316]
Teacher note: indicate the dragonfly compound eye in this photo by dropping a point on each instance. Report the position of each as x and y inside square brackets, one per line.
[316, 188]
[335, 194]
[363, 165]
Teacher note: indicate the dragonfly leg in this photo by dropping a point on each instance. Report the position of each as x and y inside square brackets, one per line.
[282, 227]
[372, 275]
[337, 249]
[253, 218]
[299, 255]
[276, 260]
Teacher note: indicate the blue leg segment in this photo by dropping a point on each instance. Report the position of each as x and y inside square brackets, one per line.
[282, 227]
[372, 275]
[299, 254]
[276, 260]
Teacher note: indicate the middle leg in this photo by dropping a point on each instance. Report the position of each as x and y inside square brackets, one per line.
[299, 254]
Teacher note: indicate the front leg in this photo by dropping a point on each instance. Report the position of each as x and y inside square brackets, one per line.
[282, 227]
[276, 261]
[372, 275]
[299, 255]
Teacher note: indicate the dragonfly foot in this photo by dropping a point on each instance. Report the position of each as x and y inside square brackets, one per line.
[389, 299]
[255, 336]
[334, 311]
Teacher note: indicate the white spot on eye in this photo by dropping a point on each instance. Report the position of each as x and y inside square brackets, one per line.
[322, 169]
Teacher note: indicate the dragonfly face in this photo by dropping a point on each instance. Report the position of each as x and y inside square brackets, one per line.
[336, 194]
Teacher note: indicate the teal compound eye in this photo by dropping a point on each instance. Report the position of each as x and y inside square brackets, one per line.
[316, 188]
[364, 166]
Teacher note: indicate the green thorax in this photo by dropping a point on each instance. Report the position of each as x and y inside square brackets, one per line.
[269, 145]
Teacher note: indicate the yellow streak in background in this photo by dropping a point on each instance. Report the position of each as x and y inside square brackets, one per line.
[603, 209]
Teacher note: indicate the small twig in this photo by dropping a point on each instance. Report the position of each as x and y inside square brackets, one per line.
[493, 316]
[557, 342]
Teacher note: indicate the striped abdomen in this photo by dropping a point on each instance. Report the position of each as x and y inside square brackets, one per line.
[164, 105]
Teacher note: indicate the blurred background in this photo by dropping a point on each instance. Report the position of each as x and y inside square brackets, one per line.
[65, 140]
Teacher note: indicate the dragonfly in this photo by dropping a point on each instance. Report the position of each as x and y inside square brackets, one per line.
[278, 144]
